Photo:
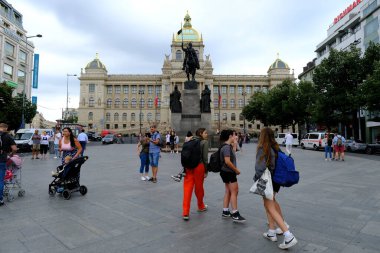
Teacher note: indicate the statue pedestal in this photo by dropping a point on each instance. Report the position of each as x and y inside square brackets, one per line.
[191, 85]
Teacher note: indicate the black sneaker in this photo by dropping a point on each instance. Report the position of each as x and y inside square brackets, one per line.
[177, 178]
[226, 214]
[185, 217]
[1, 202]
[236, 217]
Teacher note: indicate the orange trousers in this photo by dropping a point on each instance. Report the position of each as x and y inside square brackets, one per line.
[194, 177]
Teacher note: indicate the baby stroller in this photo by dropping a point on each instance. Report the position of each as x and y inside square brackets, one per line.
[12, 179]
[67, 181]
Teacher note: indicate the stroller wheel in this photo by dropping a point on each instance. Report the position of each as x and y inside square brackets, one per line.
[21, 193]
[52, 191]
[83, 190]
[66, 194]
[10, 197]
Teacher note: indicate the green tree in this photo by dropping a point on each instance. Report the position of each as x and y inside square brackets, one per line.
[370, 90]
[256, 108]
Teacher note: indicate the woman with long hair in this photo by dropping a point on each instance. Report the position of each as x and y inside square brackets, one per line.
[266, 155]
[69, 145]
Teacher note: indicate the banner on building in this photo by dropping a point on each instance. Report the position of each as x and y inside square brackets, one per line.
[35, 70]
[34, 100]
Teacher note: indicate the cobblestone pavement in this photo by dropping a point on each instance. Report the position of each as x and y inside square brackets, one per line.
[334, 208]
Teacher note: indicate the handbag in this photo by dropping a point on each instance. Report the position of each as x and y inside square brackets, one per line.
[263, 186]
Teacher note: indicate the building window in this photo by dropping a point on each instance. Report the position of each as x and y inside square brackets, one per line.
[240, 103]
[158, 103]
[125, 103]
[178, 55]
[107, 126]
[233, 116]
[108, 116]
[224, 103]
[91, 87]
[109, 103]
[117, 103]
[90, 116]
[232, 89]
[224, 89]
[216, 116]
[150, 89]
[216, 102]
[21, 77]
[224, 116]
[248, 89]
[240, 89]
[22, 56]
[125, 89]
[133, 116]
[124, 126]
[150, 103]
[142, 103]
[149, 117]
[133, 103]
[158, 90]
[241, 117]
[116, 117]
[116, 126]
[90, 126]
[158, 116]
[91, 102]
[9, 49]
[8, 71]
[142, 88]
[232, 103]
[124, 117]
[141, 116]
[265, 89]
[256, 89]
[117, 89]
[216, 89]
[109, 89]
[134, 89]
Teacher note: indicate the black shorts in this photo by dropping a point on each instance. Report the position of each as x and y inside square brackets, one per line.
[44, 148]
[276, 187]
[228, 177]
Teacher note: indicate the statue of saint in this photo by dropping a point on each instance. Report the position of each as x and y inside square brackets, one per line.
[190, 63]
[206, 100]
[175, 103]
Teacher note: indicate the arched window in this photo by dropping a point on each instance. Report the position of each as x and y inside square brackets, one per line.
[241, 117]
[150, 103]
[116, 117]
[117, 103]
[142, 103]
[224, 103]
[178, 55]
[240, 103]
[91, 102]
[124, 117]
[133, 116]
[233, 116]
[90, 116]
[125, 102]
[108, 116]
[142, 116]
[133, 104]
[149, 116]
[232, 103]
[109, 103]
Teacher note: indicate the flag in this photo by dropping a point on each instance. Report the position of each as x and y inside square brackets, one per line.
[219, 96]
[156, 101]
[179, 32]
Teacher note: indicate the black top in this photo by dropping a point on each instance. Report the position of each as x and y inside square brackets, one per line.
[5, 146]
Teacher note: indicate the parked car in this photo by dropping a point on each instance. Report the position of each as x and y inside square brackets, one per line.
[92, 136]
[315, 140]
[109, 139]
[373, 148]
[355, 145]
[280, 139]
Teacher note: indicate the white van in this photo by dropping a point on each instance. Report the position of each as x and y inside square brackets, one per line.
[315, 140]
[280, 139]
[23, 137]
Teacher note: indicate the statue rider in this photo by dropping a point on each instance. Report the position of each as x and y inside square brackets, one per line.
[190, 57]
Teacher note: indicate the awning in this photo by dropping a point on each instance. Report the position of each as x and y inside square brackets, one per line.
[373, 124]
[11, 84]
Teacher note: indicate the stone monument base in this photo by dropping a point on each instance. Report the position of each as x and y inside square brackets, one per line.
[191, 85]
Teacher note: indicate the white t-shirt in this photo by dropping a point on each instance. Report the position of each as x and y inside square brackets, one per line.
[288, 139]
[57, 138]
[45, 139]
[167, 138]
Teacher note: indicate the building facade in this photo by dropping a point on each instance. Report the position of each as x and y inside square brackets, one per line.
[16, 55]
[122, 102]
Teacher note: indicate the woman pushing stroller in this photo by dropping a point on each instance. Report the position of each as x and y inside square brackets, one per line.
[69, 145]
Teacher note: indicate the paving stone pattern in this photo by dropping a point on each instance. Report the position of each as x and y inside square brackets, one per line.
[334, 208]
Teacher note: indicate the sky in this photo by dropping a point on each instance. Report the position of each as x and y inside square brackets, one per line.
[243, 37]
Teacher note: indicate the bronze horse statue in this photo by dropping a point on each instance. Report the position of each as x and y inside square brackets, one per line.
[190, 63]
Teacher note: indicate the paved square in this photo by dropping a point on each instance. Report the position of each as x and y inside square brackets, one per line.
[334, 208]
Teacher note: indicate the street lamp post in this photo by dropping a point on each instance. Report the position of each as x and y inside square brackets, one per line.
[67, 94]
[23, 91]
[244, 94]
[141, 93]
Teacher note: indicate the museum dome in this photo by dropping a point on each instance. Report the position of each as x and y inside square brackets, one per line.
[188, 32]
[279, 64]
[96, 64]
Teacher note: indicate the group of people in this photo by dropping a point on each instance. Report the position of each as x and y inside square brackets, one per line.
[172, 141]
[334, 147]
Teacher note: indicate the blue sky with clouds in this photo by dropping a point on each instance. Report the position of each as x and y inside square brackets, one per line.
[132, 37]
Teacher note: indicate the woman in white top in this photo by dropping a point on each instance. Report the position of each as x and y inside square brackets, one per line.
[44, 144]
[57, 139]
[69, 145]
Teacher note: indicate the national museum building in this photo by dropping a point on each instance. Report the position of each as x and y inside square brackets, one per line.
[121, 102]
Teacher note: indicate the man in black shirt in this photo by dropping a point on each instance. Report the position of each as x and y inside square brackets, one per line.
[7, 145]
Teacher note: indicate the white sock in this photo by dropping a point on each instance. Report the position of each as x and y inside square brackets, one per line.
[288, 235]
[271, 232]
[234, 211]
[225, 209]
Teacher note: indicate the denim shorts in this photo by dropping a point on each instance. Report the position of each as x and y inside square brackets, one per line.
[153, 159]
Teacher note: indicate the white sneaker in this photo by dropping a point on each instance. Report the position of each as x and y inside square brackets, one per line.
[326, 159]
[279, 230]
[143, 178]
[147, 178]
[55, 157]
[288, 243]
[272, 238]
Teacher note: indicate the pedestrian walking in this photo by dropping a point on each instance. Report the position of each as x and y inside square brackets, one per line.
[69, 145]
[176, 142]
[7, 147]
[57, 139]
[339, 142]
[172, 139]
[44, 145]
[143, 153]
[36, 139]
[194, 178]
[83, 140]
[328, 146]
[289, 143]
[267, 150]
[167, 139]
[228, 173]
[240, 141]
[154, 152]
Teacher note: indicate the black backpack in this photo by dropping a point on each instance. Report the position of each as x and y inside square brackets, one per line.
[191, 154]
[215, 164]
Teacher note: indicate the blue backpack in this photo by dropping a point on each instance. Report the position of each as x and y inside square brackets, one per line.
[285, 173]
